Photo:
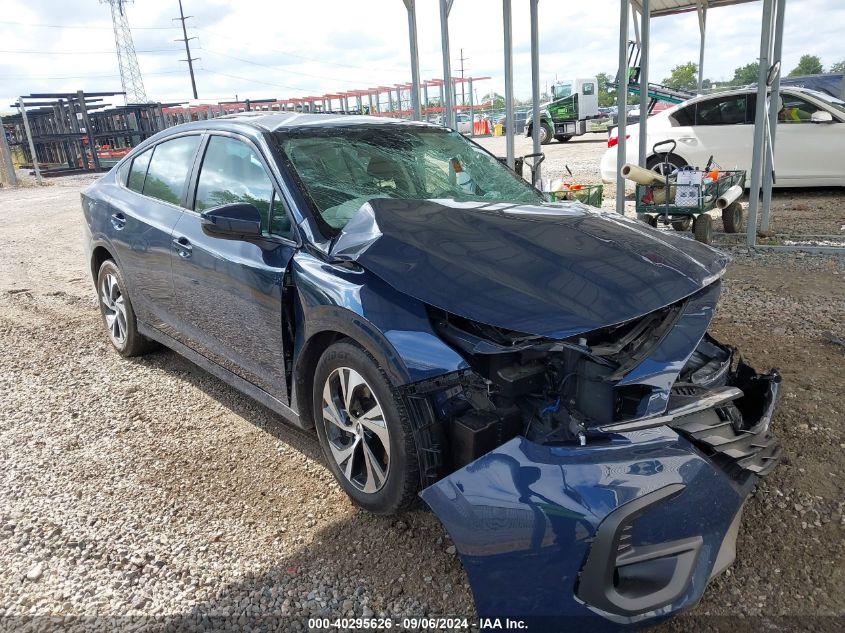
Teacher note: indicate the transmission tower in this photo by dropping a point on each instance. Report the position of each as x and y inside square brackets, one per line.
[130, 73]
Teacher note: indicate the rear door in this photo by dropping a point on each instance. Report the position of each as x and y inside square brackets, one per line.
[142, 223]
[723, 129]
[229, 292]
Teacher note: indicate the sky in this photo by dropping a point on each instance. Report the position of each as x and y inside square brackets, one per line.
[296, 48]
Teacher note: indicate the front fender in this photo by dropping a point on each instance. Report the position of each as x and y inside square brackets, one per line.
[621, 531]
[392, 326]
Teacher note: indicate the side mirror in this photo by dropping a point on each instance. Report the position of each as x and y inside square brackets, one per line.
[772, 73]
[239, 220]
[821, 116]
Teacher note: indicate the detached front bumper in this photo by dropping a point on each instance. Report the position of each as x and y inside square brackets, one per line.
[626, 529]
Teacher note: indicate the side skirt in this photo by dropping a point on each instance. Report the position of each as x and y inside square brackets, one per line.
[244, 386]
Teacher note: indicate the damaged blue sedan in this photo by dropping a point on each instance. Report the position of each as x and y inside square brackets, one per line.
[540, 373]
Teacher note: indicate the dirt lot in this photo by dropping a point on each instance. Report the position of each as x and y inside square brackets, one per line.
[138, 488]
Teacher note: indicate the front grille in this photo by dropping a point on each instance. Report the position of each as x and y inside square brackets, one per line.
[742, 450]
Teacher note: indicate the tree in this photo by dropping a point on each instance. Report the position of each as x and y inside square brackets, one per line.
[745, 75]
[683, 77]
[838, 67]
[807, 65]
[495, 98]
[606, 97]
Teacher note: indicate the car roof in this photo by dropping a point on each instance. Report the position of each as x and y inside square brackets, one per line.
[738, 91]
[277, 121]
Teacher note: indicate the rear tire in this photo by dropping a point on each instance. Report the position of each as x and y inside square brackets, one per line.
[656, 163]
[563, 138]
[364, 430]
[651, 220]
[702, 227]
[733, 218]
[118, 314]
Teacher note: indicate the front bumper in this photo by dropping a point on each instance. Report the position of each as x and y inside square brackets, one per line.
[624, 530]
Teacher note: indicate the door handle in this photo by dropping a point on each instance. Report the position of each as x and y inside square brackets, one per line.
[183, 246]
[689, 140]
[118, 220]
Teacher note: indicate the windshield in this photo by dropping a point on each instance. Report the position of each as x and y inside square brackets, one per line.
[835, 103]
[561, 90]
[339, 169]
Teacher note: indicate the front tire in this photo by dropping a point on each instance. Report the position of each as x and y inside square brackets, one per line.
[364, 430]
[546, 133]
[118, 314]
[563, 138]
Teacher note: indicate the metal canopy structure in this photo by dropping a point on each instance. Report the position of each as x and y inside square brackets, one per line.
[771, 39]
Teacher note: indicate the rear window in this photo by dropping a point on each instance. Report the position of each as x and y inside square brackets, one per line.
[169, 168]
[729, 110]
[138, 171]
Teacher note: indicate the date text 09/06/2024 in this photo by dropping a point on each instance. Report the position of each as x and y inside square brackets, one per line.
[417, 623]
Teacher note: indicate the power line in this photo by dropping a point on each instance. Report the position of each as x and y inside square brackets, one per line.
[257, 81]
[311, 59]
[277, 66]
[19, 77]
[85, 26]
[148, 50]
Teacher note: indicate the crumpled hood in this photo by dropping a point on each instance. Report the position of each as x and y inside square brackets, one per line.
[552, 270]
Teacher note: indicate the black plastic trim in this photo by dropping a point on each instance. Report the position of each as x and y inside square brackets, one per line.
[597, 586]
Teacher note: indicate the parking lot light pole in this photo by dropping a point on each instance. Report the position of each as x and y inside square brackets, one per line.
[448, 111]
[535, 86]
[506, 23]
[621, 105]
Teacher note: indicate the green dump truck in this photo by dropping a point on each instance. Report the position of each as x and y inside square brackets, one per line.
[574, 102]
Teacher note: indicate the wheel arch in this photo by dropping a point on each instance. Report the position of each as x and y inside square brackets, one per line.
[99, 255]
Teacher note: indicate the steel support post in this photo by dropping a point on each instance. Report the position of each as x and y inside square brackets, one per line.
[769, 173]
[508, 28]
[471, 111]
[415, 58]
[702, 27]
[645, 46]
[92, 142]
[758, 147]
[535, 83]
[22, 108]
[425, 99]
[9, 168]
[448, 112]
[621, 103]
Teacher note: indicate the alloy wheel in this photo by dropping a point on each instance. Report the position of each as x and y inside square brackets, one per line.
[356, 431]
[114, 309]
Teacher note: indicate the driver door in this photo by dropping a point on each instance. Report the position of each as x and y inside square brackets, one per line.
[230, 292]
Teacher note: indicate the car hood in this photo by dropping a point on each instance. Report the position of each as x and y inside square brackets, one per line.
[553, 270]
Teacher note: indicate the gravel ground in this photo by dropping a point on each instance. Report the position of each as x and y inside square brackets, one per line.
[146, 487]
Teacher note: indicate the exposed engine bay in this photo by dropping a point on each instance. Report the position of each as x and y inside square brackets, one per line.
[577, 391]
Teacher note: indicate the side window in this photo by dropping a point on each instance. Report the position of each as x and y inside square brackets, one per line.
[684, 117]
[169, 168]
[728, 110]
[232, 172]
[796, 110]
[138, 171]
[588, 89]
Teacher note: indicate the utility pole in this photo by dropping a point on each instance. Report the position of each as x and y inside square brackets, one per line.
[182, 17]
[463, 94]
